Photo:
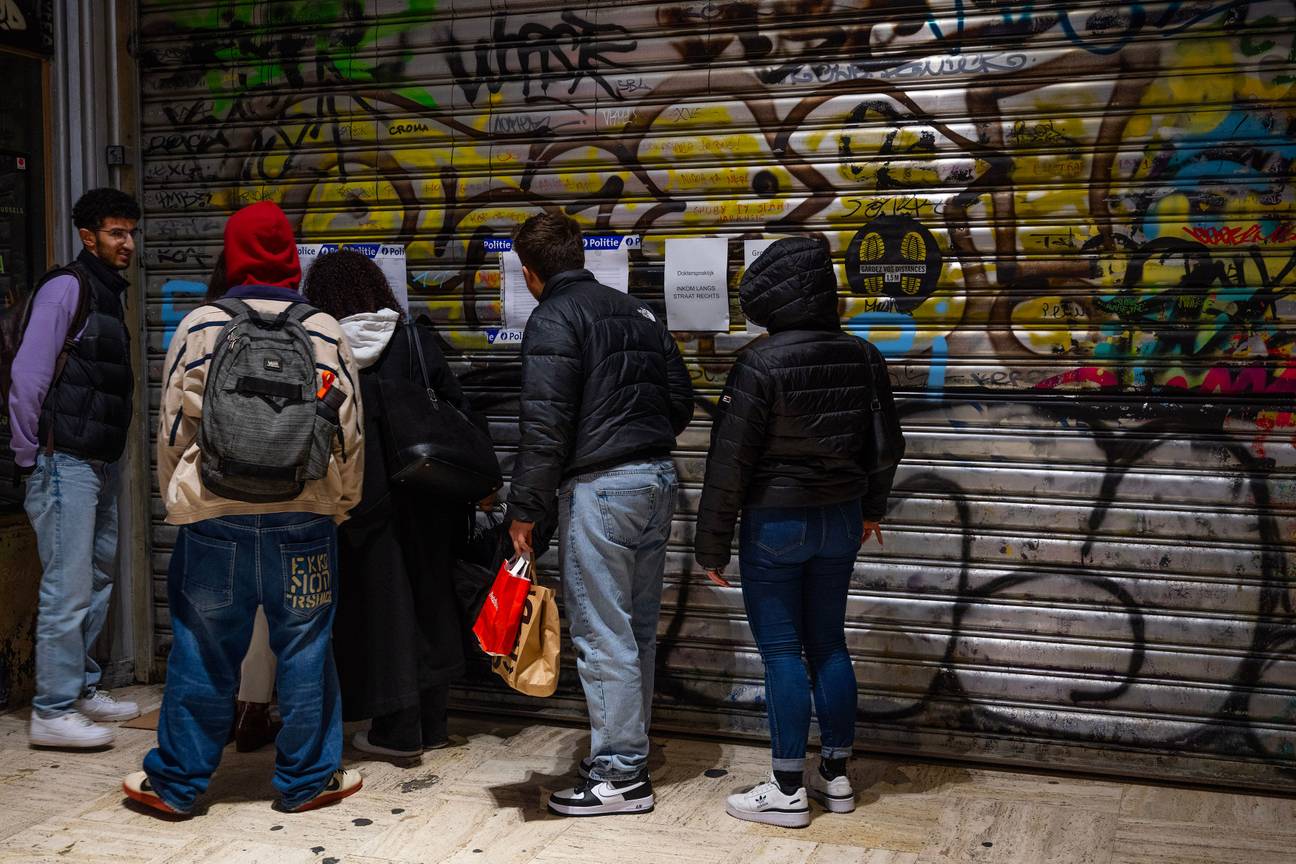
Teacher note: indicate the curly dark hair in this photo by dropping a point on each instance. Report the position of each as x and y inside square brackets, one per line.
[92, 208]
[346, 283]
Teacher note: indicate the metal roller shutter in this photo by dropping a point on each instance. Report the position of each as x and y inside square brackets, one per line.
[1069, 225]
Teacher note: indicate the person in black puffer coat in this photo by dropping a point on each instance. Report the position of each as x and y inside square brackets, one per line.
[604, 393]
[794, 449]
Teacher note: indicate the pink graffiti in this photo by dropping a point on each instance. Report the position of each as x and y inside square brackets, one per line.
[1251, 379]
[1085, 375]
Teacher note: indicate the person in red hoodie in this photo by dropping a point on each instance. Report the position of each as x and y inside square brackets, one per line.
[274, 551]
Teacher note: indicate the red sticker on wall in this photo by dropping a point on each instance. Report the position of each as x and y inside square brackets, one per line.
[22, 163]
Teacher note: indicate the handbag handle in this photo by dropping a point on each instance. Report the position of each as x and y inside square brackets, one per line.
[411, 333]
[520, 567]
[876, 404]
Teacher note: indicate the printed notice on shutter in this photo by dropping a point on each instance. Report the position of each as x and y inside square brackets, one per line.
[697, 284]
[390, 259]
[606, 257]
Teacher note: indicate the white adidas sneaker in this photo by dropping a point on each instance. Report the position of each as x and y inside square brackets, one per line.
[836, 795]
[72, 730]
[768, 804]
[102, 707]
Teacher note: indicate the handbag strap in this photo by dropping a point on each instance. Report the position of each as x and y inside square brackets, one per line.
[864, 346]
[411, 333]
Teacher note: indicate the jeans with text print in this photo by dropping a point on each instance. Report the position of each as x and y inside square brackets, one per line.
[613, 528]
[72, 504]
[796, 565]
[221, 570]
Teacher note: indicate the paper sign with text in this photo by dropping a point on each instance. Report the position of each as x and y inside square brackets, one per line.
[606, 256]
[697, 284]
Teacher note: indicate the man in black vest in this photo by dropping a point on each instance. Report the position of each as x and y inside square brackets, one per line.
[69, 412]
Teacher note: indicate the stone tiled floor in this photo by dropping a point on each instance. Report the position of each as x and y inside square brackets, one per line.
[482, 803]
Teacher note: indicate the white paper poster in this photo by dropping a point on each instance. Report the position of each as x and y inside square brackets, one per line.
[389, 258]
[752, 250]
[697, 284]
[606, 256]
[518, 302]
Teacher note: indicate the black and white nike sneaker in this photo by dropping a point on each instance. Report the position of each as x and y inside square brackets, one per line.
[604, 797]
[585, 767]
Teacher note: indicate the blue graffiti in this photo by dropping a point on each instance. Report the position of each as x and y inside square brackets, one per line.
[172, 313]
[906, 328]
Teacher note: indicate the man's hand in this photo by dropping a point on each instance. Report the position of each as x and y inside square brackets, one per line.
[487, 504]
[716, 575]
[872, 529]
[520, 533]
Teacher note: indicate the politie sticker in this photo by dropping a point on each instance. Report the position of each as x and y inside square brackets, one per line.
[504, 336]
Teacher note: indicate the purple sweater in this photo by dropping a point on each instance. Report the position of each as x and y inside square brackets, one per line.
[33, 367]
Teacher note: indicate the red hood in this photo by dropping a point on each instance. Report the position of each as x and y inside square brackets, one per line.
[260, 248]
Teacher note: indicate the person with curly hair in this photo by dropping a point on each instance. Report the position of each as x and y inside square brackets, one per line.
[397, 637]
[69, 411]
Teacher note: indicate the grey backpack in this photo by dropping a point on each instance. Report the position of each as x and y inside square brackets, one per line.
[264, 433]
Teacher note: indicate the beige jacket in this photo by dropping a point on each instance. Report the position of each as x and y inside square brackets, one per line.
[187, 362]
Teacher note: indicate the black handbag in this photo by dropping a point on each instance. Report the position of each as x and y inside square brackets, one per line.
[430, 445]
[478, 561]
[887, 445]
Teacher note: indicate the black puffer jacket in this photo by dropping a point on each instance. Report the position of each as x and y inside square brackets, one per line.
[795, 419]
[603, 384]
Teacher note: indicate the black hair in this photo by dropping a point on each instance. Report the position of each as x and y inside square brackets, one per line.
[92, 208]
[549, 244]
[346, 283]
[217, 283]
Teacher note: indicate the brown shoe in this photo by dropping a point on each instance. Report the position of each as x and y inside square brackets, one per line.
[254, 727]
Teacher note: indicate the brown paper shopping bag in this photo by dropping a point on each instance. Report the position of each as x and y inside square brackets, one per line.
[532, 668]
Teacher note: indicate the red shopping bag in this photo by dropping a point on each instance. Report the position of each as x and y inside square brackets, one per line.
[500, 619]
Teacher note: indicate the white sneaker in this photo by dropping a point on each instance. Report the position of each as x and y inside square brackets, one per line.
[767, 803]
[836, 795]
[72, 730]
[103, 708]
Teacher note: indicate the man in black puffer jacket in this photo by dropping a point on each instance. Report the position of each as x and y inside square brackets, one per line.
[604, 395]
[805, 446]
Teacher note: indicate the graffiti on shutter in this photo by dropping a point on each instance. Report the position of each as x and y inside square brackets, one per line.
[1069, 226]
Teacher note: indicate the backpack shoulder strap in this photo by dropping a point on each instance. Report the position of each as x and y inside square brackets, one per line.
[299, 312]
[85, 302]
[231, 306]
[82, 308]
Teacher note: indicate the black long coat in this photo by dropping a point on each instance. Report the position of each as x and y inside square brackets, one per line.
[397, 629]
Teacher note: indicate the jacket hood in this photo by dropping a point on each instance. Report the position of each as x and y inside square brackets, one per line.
[791, 286]
[260, 248]
[368, 334]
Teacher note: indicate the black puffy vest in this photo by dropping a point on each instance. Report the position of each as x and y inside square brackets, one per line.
[88, 409]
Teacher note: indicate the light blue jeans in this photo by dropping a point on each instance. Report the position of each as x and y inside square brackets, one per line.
[613, 528]
[72, 505]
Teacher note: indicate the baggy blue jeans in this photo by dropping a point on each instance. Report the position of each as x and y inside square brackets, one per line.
[796, 565]
[613, 528]
[72, 505]
[221, 570]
